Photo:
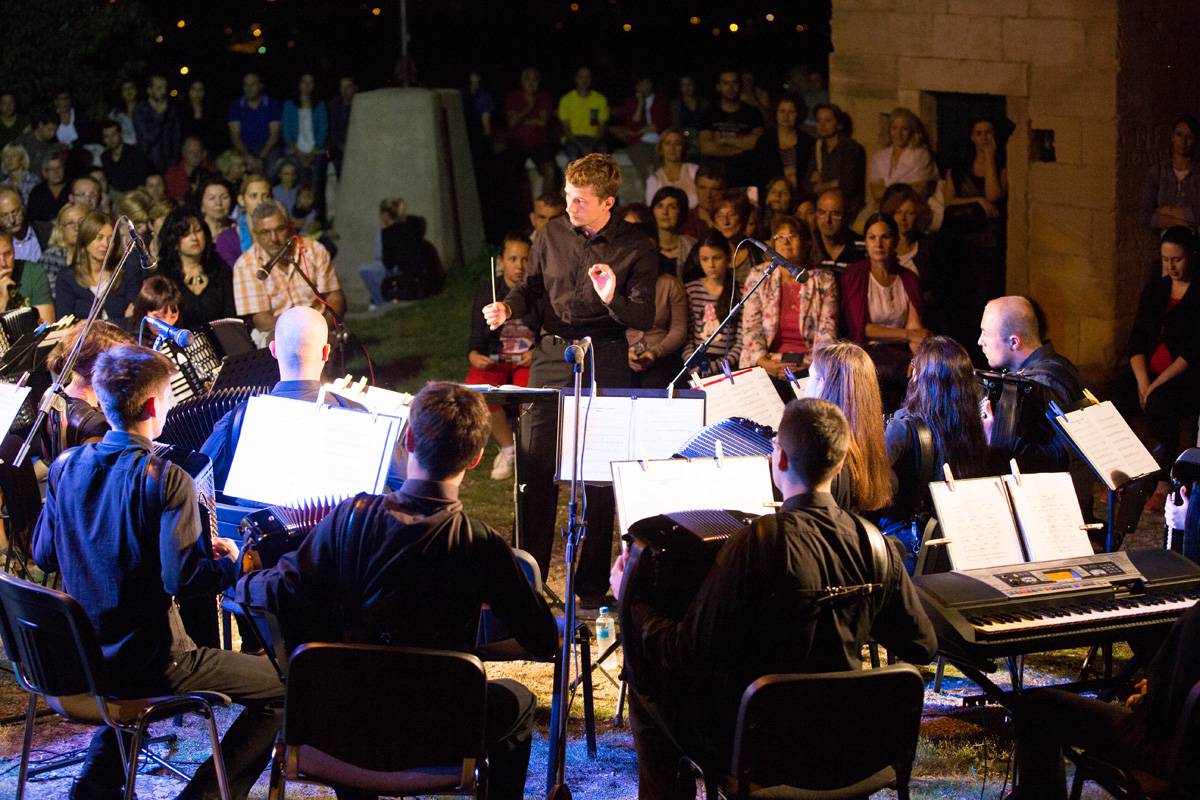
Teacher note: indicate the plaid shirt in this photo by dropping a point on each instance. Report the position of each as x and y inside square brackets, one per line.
[283, 288]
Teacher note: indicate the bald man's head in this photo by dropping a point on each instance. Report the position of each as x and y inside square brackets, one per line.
[301, 344]
[1008, 332]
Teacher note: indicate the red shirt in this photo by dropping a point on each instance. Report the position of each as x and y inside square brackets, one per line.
[523, 133]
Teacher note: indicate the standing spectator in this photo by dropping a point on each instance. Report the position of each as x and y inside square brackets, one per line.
[674, 170]
[157, 124]
[73, 126]
[306, 132]
[14, 223]
[287, 182]
[12, 122]
[191, 168]
[906, 160]
[835, 239]
[123, 112]
[710, 298]
[238, 239]
[75, 289]
[254, 124]
[232, 167]
[40, 140]
[529, 115]
[1171, 192]
[584, 115]
[14, 164]
[187, 256]
[729, 130]
[87, 192]
[480, 104]
[339, 120]
[214, 200]
[838, 162]
[198, 120]
[23, 283]
[645, 118]
[784, 148]
[710, 186]
[754, 95]
[124, 164]
[59, 254]
[687, 114]
[670, 208]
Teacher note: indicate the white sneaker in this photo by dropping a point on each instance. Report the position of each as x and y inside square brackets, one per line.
[502, 467]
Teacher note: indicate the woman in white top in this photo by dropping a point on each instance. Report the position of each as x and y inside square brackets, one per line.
[906, 160]
[674, 170]
[670, 208]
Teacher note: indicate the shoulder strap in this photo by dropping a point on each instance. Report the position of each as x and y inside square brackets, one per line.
[155, 467]
[881, 555]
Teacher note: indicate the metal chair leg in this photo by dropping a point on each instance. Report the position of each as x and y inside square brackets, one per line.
[277, 787]
[26, 746]
[217, 755]
[1077, 784]
[937, 677]
[135, 750]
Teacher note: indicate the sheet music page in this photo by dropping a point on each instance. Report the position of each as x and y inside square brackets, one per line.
[661, 426]
[979, 523]
[290, 450]
[750, 395]
[609, 424]
[677, 484]
[1048, 516]
[11, 397]
[1109, 444]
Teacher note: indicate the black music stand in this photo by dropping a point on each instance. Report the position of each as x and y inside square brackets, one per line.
[255, 368]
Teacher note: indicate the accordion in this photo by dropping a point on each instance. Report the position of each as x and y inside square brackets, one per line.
[15, 324]
[190, 423]
[738, 437]
[271, 533]
[198, 365]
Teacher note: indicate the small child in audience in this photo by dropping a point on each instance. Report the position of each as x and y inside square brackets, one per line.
[158, 298]
[709, 300]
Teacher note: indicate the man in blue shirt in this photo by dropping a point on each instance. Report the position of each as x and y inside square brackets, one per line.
[254, 124]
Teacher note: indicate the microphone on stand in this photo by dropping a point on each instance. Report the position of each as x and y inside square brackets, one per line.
[577, 352]
[180, 336]
[799, 273]
[148, 263]
[285, 254]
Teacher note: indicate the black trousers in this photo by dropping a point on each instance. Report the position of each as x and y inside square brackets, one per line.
[666, 733]
[250, 680]
[538, 498]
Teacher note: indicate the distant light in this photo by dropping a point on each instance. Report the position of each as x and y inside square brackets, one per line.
[694, 20]
[257, 32]
[158, 39]
[184, 70]
[181, 24]
[733, 27]
[801, 28]
[262, 50]
[174, 93]
[574, 7]
[716, 31]
[770, 17]
[376, 11]
[627, 27]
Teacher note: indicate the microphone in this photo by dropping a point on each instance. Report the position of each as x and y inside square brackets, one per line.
[180, 336]
[285, 254]
[577, 352]
[148, 263]
[799, 273]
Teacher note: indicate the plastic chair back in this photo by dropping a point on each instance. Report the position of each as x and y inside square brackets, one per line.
[825, 732]
[386, 708]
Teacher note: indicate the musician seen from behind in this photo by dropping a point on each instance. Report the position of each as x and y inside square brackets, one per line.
[590, 274]
[264, 300]
[760, 610]
[122, 527]
[411, 569]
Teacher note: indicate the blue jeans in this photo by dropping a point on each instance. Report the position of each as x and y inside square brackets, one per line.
[372, 274]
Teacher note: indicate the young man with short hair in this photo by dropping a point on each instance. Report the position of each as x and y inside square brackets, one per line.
[545, 208]
[124, 165]
[157, 124]
[729, 130]
[48, 197]
[584, 114]
[710, 186]
[123, 529]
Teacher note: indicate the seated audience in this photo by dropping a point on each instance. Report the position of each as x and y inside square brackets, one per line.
[157, 124]
[687, 115]
[785, 321]
[670, 208]
[213, 199]
[645, 119]
[237, 238]
[501, 357]
[23, 283]
[529, 112]
[14, 222]
[729, 131]
[155, 186]
[584, 115]
[59, 254]
[785, 148]
[710, 299]
[198, 120]
[305, 126]
[287, 181]
[187, 257]
[192, 167]
[41, 138]
[731, 217]
[254, 127]
[838, 162]
[654, 354]
[1171, 191]
[836, 240]
[843, 374]
[122, 112]
[12, 122]
[545, 208]
[158, 215]
[92, 267]
[127, 569]
[881, 303]
[87, 191]
[767, 578]
[158, 298]
[136, 205]
[710, 187]
[914, 250]
[232, 166]
[14, 165]
[372, 273]
[674, 170]
[125, 166]
[778, 197]
[81, 421]
[906, 160]
[48, 197]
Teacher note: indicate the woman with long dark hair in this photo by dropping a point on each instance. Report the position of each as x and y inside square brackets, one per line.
[1171, 191]
[187, 256]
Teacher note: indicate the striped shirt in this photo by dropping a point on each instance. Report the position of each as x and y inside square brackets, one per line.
[705, 312]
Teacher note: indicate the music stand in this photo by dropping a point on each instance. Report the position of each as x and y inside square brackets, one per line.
[255, 368]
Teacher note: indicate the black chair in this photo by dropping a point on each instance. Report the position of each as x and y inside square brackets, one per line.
[55, 655]
[1180, 779]
[396, 721]
[827, 735]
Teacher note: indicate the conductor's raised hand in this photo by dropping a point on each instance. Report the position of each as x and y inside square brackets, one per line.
[604, 281]
[495, 314]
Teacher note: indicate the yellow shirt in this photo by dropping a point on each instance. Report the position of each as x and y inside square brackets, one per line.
[583, 116]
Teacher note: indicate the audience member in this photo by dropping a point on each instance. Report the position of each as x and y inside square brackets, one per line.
[122, 112]
[136, 206]
[843, 374]
[158, 298]
[710, 187]
[254, 124]
[40, 140]
[157, 124]
[778, 197]
[124, 164]
[528, 111]
[915, 249]
[198, 120]
[92, 267]
[192, 167]
[838, 162]
[670, 208]
[644, 119]
[730, 218]
[105, 203]
[14, 223]
[306, 131]
[754, 95]
[501, 357]
[545, 208]
[14, 164]
[769, 577]
[654, 353]
[687, 115]
[835, 240]
[907, 159]
[339, 119]
[1171, 191]
[158, 215]
[584, 115]
[73, 126]
[287, 181]
[729, 131]
[82, 422]
[214, 200]
[710, 299]
[155, 186]
[46, 198]
[784, 148]
[237, 238]
[785, 321]
[23, 283]
[674, 170]
[12, 122]
[87, 191]
[372, 273]
[60, 252]
[232, 166]
[186, 255]
[307, 220]
[480, 105]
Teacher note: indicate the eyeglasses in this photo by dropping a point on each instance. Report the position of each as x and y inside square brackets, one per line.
[785, 237]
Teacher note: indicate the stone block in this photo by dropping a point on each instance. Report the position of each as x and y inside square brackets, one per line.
[1074, 9]
[1060, 230]
[862, 75]
[883, 33]
[1100, 37]
[1068, 136]
[862, 5]
[955, 75]
[1098, 345]
[1099, 146]
[1044, 41]
[1065, 295]
[922, 6]
[1072, 90]
[991, 8]
[1104, 234]
[966, 37]
[1073, 186]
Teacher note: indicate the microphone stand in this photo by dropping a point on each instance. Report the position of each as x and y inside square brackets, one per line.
[340, 334]
[56, 388]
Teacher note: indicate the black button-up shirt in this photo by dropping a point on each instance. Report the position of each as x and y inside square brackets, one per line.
[558, 291]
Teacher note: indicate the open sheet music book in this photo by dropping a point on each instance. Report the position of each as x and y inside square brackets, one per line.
[1110, 446]
[11, 398]
[625, 424]
[290, 450]
[648, 488]
[750, 394]
[350, 393]
[994, 522]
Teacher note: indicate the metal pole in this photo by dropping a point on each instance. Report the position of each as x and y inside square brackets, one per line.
[404, 64]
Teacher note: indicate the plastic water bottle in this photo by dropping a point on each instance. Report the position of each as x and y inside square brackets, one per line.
[606, 635]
